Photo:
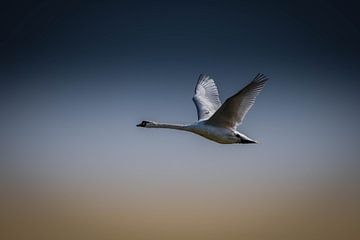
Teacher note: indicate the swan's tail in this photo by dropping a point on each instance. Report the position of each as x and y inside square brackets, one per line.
[246, 141]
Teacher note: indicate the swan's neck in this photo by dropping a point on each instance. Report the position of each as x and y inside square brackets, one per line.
[168, 125]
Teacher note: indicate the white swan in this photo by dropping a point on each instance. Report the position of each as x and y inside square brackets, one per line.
[215, 121]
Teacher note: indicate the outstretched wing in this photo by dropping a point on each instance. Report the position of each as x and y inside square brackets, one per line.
[206, 97]
[234, 109]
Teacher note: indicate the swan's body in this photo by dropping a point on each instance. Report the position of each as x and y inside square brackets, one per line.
[215, 121]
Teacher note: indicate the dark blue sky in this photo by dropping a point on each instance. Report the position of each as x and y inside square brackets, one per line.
[61, 34]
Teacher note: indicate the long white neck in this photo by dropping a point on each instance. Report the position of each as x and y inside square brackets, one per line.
[168, 125]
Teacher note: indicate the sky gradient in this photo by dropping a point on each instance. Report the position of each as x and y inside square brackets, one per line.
[76, 77]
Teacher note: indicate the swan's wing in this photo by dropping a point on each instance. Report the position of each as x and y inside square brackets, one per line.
[234, 109]
[206, 97]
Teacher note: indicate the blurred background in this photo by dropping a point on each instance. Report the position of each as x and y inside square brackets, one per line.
[77, 76]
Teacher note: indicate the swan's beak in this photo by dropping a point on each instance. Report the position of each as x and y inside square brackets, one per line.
[138, 125]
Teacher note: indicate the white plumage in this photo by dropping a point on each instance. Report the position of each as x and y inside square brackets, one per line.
[215, 121]
[206, 97]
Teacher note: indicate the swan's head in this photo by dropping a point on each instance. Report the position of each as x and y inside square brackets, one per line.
[145, 124]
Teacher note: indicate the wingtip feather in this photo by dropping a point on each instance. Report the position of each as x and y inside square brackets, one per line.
[260, 78]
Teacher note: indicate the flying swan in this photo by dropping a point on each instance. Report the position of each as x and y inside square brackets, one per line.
[215, 121]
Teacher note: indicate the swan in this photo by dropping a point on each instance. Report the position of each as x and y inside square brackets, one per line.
[218, 122]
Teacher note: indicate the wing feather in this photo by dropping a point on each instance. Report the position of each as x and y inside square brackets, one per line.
[233, 111]
[206, 97]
